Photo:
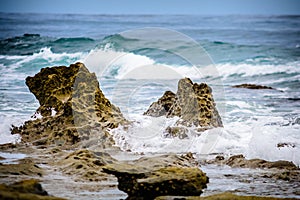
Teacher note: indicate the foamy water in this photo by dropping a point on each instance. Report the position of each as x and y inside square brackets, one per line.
[251, 126]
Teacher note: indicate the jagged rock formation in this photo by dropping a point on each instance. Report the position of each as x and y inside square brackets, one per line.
[147, 178]
[193, 104]
[253, 86]
[72, 107]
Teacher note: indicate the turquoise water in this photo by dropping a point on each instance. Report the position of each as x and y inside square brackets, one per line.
[262, 50]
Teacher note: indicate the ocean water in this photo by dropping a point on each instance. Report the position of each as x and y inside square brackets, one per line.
[135, 64]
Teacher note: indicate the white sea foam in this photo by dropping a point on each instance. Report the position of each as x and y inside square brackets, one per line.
[244, 70]
[45, 54]
[5, 136]
[122, 65]
[253, 138]
[53, 112]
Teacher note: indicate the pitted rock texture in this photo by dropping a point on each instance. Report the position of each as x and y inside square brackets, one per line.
[193, 104]
[162, 106]
[85, 165]
[72, 107]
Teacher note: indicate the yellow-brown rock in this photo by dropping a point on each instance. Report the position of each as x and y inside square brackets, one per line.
[193, 104]
[72, 107]
[25, 190]
[147, 178]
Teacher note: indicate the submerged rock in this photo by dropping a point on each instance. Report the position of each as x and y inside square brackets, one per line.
[193, 104]
[180, 132]
[147, 178]
[72, 107]
[25, 190]
[286, 144]
[253, 86]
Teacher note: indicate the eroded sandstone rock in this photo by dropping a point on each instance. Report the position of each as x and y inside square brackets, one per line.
[193, 104]
[162, 106]
[72, 107]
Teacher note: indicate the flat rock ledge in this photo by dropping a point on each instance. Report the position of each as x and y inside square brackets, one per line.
[193, 104]
[241, 161]
[72, 108]
[25, 190]
[147, 178]
[223, 196]
[277, 170]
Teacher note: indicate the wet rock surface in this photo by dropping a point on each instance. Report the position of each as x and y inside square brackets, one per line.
[72, 107]
[240, 161]
[286, 144]
[86, 165]
[276, 170]
[222, 196]
[25, 166]
[193, 104]
[147, 178]
[25, 190]
[162, 106]
[253, 86]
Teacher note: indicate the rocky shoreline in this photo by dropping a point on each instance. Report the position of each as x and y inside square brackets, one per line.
[70, 151]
